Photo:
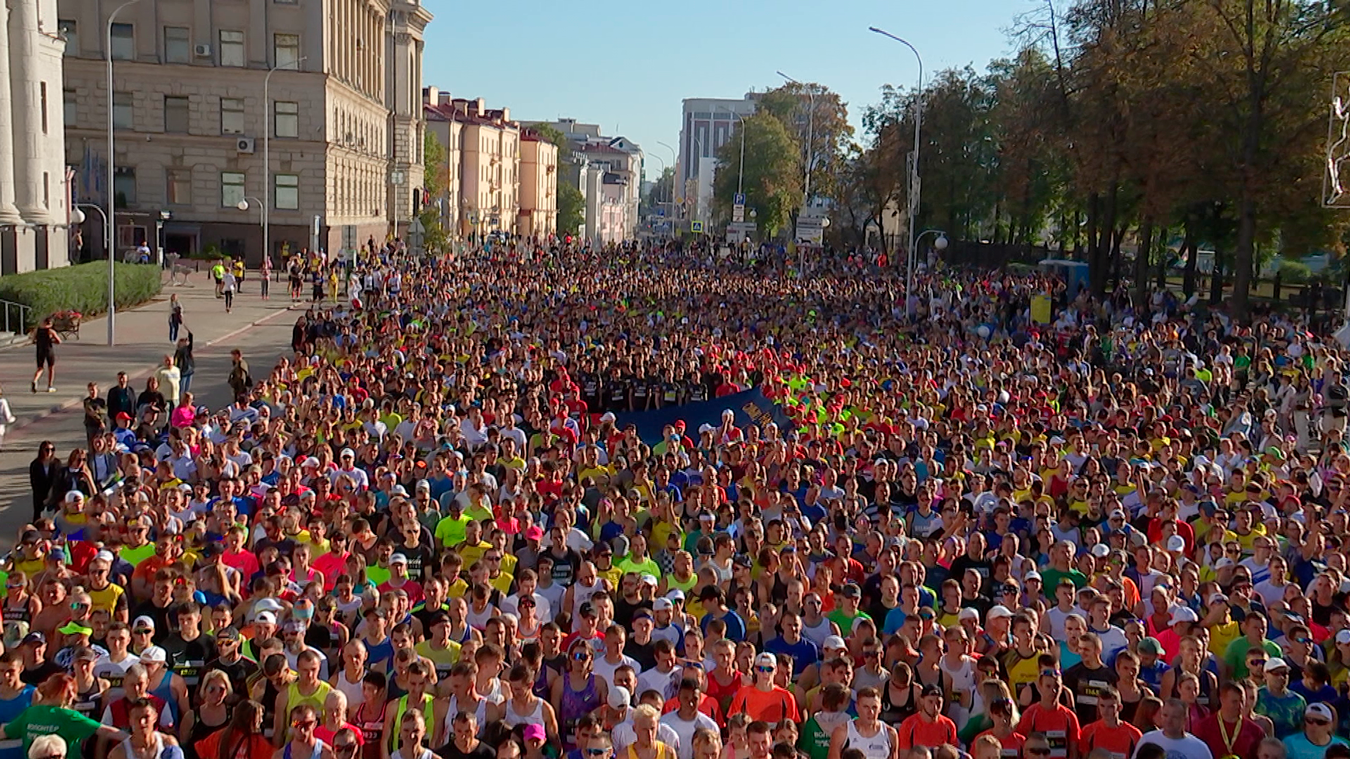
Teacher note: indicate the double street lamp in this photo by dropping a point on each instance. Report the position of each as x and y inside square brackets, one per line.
[810, 138]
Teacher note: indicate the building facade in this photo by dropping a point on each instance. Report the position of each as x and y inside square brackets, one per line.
[34, 206]
[296, 111]
[706, 124]
[488, 149]
[608, 171]
[538, 186]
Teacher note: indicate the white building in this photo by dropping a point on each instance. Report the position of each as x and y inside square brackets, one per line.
[609, 172]
[706, 124]
[34, 207]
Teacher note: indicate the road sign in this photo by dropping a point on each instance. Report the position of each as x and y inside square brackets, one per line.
[416, 234]
[740, 199]
[696, 227]
[679, 201]
[738, 213]
[810, 230]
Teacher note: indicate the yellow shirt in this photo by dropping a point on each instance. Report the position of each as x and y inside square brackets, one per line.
[106, 599]
[1221, 635]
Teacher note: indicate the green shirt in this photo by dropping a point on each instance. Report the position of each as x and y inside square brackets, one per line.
[377, 574]
[134, 556]
[37, 721]
[1235, 656]
[845, 621]
[1050, 580]
[645, 567]
[450, 530]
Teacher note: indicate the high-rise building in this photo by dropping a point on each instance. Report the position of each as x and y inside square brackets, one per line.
[34, 208]
[327, 92]
[706, 124]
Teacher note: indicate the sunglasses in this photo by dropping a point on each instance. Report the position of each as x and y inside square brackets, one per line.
[768, 670]
[1318, 722]
[580, 656]
[1256, 663]
[596, 751]
[305, 724]
[344, 746]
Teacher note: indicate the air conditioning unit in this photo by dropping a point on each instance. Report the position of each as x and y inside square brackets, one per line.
[202, 51]
[244, 145]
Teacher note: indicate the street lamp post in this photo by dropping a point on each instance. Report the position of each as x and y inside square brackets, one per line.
[110, 217]
[810, 139]
[914, 183]
[675, 161]
[740, 174]
[658, 181]
[267, 152]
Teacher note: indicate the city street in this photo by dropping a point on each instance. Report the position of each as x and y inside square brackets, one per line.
[261, 329]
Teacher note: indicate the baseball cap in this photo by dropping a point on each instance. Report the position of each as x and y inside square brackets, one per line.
[33, 637]
[834, 642]
[1183, 614]
[1150, 646]
[1275, 663]
[931, 690]
[999, 611]
[534, 732]
[648, 580]
[851, 590]
[398, 558]
[968, 613]
[75, 628]
[1343, 636]
[587, 609]
[143, 623]
[85, 653]
[534, 533]
[228, 633]
[619, 697]
[1319, 709]
[154, 654]
[268, 617]
[1176, 543]
[662, 604]
[766, 660]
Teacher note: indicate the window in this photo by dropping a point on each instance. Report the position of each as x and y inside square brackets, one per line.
[231, 189]
[286, 51]
[123, 41]
[287, 119]
[179, 184]
[69, 30]
[46, 189]
[231, 116]
[287, 192]
[177, 45]
[42, 95]
[231, 48]
[123, 115]
[124, 186]
[177, 111]
[72, 111]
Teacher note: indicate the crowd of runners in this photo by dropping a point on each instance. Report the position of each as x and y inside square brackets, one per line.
[427, 534]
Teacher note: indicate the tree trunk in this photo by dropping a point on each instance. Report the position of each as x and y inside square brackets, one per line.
[1141, 259]
[1245, 252]
[1216, 280]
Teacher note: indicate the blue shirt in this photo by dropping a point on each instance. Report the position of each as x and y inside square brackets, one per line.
[735, 625]
[11, 709]
[1299, 747]
[803, 652]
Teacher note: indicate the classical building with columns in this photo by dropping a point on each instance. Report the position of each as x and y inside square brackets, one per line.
[34, 211]
[298, 110]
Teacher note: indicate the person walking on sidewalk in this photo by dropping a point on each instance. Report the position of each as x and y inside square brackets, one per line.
[95, 414]
[265, 272]
[45, 338]
[6, 417]
[229, 283]
[185, 361]
[239, 379]
[175, 317]
[170, 382]
[218, 274]
[43, 472]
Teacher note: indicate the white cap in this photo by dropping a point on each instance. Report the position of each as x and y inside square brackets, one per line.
[74, 496]
[608, 416]
[266, 617]
[1272, 664]
[154, 654]
[1343, 637]
[104, 556]
[999, 611]
[833, 642]
[347, 452]
[398, 558]
[766, 660]
[143, 621]
[648, 580]
[619, 697]
[662, 604]
[1176, 543]
[968, 613]
[1032, 575]
[1183, 614]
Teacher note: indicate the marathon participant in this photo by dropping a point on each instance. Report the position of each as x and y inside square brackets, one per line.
[1147, 497]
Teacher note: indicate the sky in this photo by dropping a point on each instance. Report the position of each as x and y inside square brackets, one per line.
[628, 66]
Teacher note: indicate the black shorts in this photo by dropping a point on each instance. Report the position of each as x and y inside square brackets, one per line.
[46, 359]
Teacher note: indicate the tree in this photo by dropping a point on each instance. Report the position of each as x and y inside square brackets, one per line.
[662, 193]
[773, 175]
[435, 179]
[817, 120]
[571, 208]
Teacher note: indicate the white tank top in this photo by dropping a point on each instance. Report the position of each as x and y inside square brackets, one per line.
[349, 689]
[131, 753]
[480, 716]
[535, 717]
[876, 747]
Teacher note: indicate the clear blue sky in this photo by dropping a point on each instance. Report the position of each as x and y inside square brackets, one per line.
[628, 66]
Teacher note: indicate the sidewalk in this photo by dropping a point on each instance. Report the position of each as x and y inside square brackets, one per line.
[142, 337]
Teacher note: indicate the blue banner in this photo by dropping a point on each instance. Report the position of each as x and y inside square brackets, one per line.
[750, 407]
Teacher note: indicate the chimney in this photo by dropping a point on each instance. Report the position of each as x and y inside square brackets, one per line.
[430, 95]
[445, 98]
[506, 114]
[480, 106]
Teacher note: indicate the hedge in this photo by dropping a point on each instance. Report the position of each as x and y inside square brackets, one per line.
[83, 288]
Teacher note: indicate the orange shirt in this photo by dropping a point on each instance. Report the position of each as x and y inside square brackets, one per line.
[1059, 723]
[772, 707]
[1120, 740]
[1012, 745]
[917, 731]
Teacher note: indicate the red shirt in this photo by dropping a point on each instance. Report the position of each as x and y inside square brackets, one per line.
[1120, 740]
[1245, 737]
[917, 731]
[1012, 745]
[1059, 723]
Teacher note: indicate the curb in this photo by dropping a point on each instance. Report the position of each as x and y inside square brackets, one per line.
[141, 374]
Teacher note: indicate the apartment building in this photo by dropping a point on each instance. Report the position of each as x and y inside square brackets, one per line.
[608, 171]
[303, 112]
[538, 186]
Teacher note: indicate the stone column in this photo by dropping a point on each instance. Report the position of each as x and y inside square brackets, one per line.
[24, 75]
[9, 214]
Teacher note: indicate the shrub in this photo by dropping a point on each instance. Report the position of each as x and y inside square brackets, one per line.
[82, 288]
